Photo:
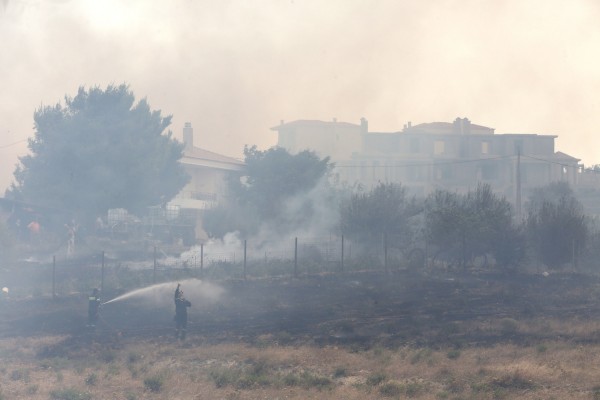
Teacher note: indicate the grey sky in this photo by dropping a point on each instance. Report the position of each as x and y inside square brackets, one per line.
[236, 68]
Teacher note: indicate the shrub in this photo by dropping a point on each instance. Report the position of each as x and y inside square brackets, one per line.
[508, 326]
[391, 389]
[311, 380]
[340, 372]
[134, 357]
[422, 354]
[376, 378]
[541, 348]
[108, 356]
[453, 354]
[154, 383]
[32, 389]
[514, 380]
[91, 379]
[69, 394]
[19, 375]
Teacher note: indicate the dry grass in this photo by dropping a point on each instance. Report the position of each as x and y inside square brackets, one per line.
[161, 368]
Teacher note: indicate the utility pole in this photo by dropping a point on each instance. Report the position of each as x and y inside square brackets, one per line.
[518, 182]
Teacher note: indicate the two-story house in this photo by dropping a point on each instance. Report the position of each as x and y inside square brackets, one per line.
[209, 173]
[454, 155]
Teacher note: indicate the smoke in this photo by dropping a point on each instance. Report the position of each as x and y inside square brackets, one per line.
[309, 215]
[215, 250]
[529, 67]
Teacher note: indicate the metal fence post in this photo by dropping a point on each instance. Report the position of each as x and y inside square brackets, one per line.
[53, 277]
[102, 278]
[245, 259]
[202, 260]
[342, 260]
[385, 252]
[154, 272]
[296, 257]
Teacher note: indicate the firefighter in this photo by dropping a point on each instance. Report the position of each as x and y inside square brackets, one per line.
[181, 306]
[93, 308]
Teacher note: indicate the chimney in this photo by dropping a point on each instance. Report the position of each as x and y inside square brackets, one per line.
[364, 125]
[188, 136]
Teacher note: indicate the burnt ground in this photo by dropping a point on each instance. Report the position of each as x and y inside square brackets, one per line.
[356, 309]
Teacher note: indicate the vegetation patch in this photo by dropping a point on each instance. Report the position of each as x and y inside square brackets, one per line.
[154, 383]
[69, 394]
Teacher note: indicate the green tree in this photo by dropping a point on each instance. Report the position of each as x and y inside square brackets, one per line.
[275, 191]
[476, 224]
[100, 150]
[385, 210]
[556, 225]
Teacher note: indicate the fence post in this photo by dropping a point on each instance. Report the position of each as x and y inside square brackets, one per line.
[296, 257]
[102, 279]
[202, 260]
[342, 253]
[245, 259]
[154, 272]
[385, 252]
[54, 277]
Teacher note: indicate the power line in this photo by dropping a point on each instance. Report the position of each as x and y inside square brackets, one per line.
[425, 164]
[12, 144]
[454, 162]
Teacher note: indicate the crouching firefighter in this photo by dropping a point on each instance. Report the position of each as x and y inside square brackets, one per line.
[181, 306]
[93, 308]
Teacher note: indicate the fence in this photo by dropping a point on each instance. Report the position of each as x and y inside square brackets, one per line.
[239, 260]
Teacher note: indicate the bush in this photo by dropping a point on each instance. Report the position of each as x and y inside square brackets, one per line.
[508, 326]
[376, 378]
[91, 379]
[154, 383]
[69, 394]
[453, 354]
[391, 389]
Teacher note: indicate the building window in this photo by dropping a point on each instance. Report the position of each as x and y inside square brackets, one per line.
[439, 147]
[485, 147]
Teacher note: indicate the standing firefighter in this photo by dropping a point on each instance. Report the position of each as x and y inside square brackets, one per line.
[93, 308]
[181, 306]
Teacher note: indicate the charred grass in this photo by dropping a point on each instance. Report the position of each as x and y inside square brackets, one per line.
[478, 339]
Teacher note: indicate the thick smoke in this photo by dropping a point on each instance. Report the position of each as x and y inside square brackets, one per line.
[515, 66]
[315, 215]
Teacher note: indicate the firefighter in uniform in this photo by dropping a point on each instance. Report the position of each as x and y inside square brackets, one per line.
[93, 308]
[181, 306]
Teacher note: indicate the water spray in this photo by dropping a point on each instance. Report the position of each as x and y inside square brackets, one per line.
[194, 288]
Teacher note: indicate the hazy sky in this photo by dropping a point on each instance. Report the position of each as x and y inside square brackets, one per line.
[236, 68]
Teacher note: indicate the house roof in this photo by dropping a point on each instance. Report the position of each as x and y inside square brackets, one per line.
[197, 153]
[565, 156]
[311, 122]
[446, 126]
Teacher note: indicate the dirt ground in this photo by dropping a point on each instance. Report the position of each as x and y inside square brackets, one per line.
[355, 309]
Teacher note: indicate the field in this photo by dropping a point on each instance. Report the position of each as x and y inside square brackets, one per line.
[361, 335]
